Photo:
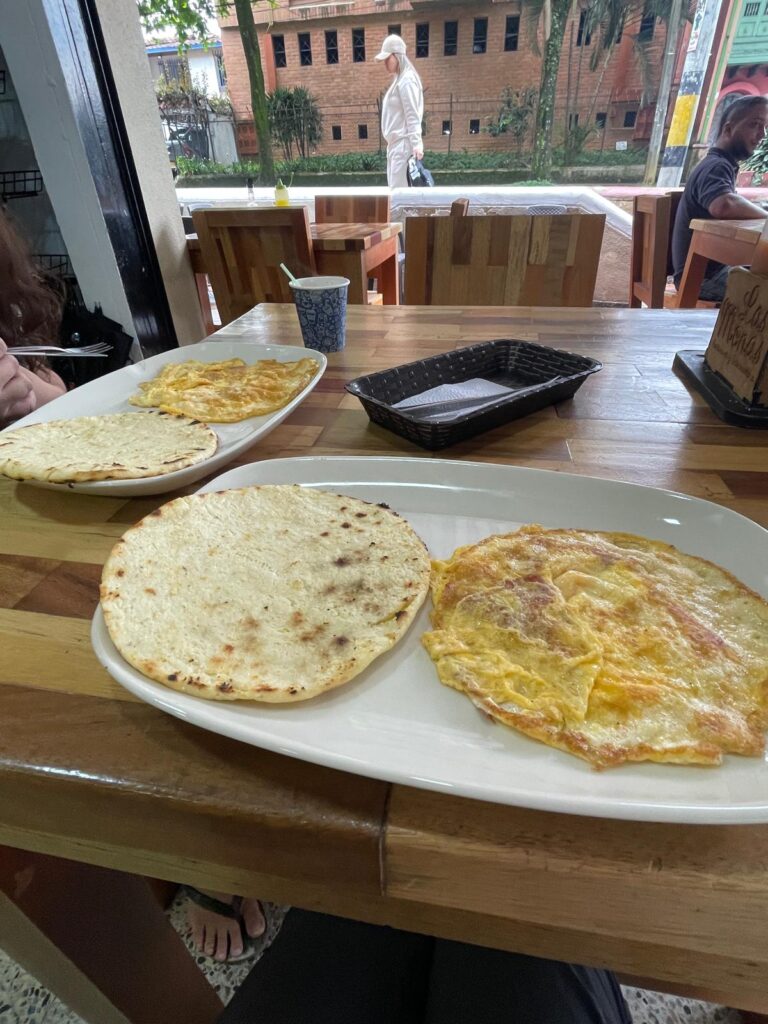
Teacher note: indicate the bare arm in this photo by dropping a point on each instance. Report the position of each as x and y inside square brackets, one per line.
[732, 207]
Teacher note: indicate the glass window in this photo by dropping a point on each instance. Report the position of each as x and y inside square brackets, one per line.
[474, 126]
[358, 45]
[573, 120]
[331, 47]
[422, 40]
[221, 71]
[750, 10]
[450, 38]
[336, 132]
[305, 49]
[362, 131]
[447, 128]
[393, 30]
[480, 36]
[601, 119]
[647, 25]
[278, 48]
[511, 32]
[584, 35]
[630, 117]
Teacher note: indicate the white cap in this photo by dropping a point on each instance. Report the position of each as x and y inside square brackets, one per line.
[392, 44]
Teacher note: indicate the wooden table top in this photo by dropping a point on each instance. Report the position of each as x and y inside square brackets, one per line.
[88, 772]
[739, 230]
[337, 237]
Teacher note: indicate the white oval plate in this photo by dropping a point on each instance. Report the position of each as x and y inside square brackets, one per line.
[110, 394]
[397, 722]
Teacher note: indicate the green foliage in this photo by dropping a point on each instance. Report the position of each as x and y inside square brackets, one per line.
[515, 114]
[575, 139]
[294, 120]
[758, 162]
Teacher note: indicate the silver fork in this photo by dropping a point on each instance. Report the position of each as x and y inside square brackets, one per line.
[100, 348]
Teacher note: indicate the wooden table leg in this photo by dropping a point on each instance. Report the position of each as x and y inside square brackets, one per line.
[693, 276]
[201, 283]
[389, 280]
[346, 264]
[99, 940]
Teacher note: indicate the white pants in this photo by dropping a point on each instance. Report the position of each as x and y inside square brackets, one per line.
[398, 155]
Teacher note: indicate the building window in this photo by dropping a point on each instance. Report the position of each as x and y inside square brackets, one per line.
[305, 49]
[175, 69]
[394, 30]
[584, 35]
[358, 45]
[278, 48]
[630, 117]
[331, 47]
[450, 38]
[511, 32]
[573, 121]
[601, 119]
[362, 131]
[474, 126]
[480, 36]
[422, 40]
[447, 128]
[647, 25]
[750, 10]
[336, 132]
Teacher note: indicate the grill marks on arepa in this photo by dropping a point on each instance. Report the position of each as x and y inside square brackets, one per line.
[612, 647]
[227, 391]
[273, 593]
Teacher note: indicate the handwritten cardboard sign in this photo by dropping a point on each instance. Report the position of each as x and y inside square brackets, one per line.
[738, 349]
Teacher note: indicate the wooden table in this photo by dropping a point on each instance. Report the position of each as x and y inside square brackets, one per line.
[90, 774]
[356, 251]
[728, 241]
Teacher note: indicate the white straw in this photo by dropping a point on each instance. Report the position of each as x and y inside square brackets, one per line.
[287, 272]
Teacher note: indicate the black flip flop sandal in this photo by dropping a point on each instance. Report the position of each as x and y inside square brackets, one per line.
[230, 910]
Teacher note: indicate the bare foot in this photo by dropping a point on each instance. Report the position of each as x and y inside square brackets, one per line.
[216, 935]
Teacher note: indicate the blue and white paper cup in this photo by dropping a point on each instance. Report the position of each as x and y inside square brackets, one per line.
[321, 303]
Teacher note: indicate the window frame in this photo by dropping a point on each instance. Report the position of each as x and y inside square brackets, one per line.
[601, 119]
[358, 46]
[422, 43]
[583, 33]
[511, 34]
[447, 130]
[633, 115]
[481, 22]
[334, 136]
[331, 47]
[280, 55]
[455, 44]
[474, 121]
[362, 132]
[305, 49]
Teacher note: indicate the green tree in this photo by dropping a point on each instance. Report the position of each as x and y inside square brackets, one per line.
[295, 120]
[189, 19]
[604, 21]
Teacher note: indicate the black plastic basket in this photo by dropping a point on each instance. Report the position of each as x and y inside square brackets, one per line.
[515, 364]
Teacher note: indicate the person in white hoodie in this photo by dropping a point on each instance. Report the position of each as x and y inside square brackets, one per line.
[401, 112]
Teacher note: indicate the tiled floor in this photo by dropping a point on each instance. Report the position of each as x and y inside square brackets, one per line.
[24, 1001]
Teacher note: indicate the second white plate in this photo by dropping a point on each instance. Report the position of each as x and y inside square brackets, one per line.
[397, 722]
[110, 394]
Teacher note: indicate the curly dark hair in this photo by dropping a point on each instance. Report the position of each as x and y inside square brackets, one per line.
[30, 309]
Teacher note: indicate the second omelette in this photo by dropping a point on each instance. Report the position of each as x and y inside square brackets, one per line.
[227, 391]
[606, 645]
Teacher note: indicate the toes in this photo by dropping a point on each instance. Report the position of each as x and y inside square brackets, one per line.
[255, 925]
[209, 942]
[235, 940]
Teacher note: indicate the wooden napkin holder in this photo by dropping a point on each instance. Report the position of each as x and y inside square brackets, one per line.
[738, 349]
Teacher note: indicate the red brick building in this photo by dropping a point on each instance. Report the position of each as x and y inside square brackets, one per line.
[465, 52]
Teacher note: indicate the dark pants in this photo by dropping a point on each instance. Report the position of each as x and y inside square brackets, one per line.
[327, 970]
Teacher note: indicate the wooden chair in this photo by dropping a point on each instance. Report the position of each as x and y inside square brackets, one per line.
[459, 207]
[352, 209]
[508, 260]
[242, 250]
[650, 263]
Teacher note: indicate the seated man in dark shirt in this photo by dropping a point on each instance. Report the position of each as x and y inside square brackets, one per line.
[710, 192]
